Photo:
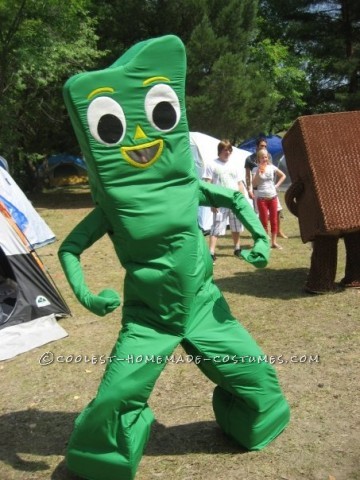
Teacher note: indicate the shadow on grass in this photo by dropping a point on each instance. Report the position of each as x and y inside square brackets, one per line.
[283, 284]
[62, 198]
[40, 434]
[35, 433]
[196, 437]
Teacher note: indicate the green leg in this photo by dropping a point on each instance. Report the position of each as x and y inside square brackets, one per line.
[248, 402]
[111, 433]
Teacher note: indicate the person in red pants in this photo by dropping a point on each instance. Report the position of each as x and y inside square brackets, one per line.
[267, 198]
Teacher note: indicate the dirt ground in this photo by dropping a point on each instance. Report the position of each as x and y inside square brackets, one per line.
[312, 340]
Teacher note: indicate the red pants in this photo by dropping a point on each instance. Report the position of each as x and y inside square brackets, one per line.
[268, 210]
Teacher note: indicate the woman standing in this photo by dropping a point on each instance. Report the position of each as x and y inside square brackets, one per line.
[267, 199]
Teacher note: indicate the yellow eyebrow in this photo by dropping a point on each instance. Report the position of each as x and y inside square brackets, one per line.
[100, 90]
[155, 79]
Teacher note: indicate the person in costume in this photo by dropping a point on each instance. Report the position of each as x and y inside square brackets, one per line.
[323, 194]
[131, 124]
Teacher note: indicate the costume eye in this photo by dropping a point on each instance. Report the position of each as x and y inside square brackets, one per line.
[162, 107]
[106, 121]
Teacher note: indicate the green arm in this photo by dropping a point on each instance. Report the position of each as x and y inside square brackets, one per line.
[89, 230]
[216, 196]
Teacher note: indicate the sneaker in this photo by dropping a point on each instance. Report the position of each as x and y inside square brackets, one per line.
[213, 256]
[237, 252]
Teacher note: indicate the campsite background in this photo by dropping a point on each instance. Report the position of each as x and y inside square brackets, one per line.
[253, 65]
[39, 403]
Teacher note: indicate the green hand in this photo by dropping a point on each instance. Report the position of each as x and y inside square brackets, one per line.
[105, 302]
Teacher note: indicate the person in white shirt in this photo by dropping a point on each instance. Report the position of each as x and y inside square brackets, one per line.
[226, 172]
[267, 198]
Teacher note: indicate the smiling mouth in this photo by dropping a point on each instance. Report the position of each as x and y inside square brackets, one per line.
[142, 156]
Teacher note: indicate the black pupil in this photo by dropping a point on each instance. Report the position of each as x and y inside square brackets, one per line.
[164, 115]
[110, 128]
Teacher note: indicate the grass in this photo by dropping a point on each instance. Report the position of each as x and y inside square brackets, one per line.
[38, 404]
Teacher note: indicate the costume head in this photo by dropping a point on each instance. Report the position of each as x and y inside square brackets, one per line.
[130, 118]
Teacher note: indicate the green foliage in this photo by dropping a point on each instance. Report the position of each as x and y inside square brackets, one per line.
[240, 81]
[224, 89]
[236, 94]
[121, 24]
[327, 36]
[286, 82]
[42, 43]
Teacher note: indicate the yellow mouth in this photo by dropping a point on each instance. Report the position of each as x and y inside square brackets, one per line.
[142, 156]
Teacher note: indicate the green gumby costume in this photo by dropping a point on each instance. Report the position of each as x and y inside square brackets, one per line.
[131, 124]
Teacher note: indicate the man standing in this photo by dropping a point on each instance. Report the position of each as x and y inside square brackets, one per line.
[226, 172]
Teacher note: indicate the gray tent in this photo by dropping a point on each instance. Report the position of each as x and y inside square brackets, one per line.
[29, 300]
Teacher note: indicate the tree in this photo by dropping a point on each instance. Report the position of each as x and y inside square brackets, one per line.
[42, 43]
[240, 82]
[325, 36]
[121, 24]
[286, 82]
[224, 89]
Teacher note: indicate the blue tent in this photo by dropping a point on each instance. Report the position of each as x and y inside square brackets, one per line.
[63, 169]
[274, 145]
[55, 161]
